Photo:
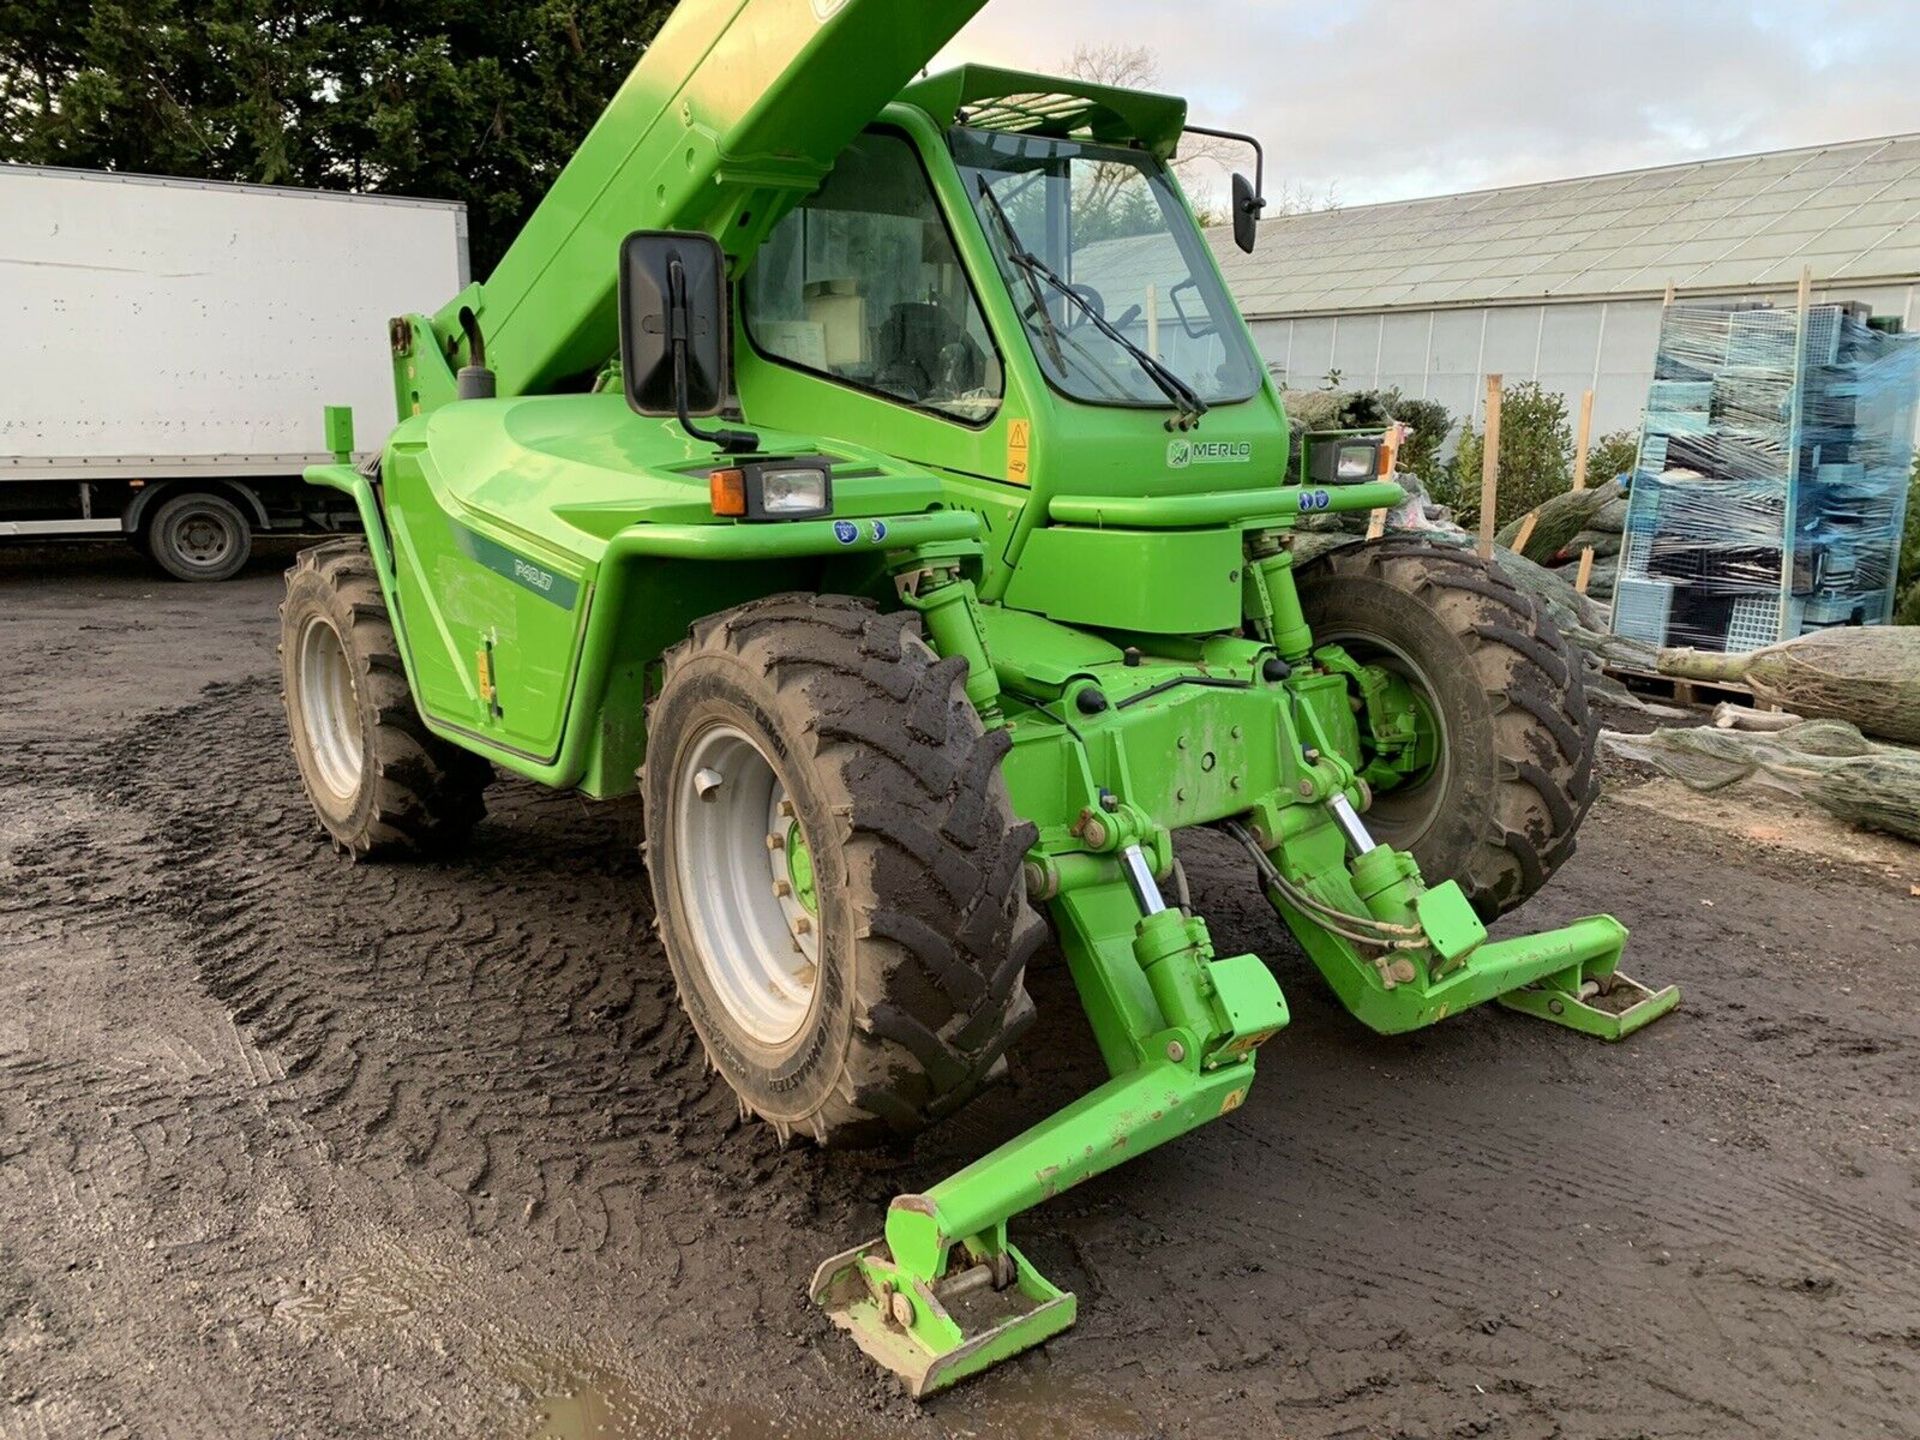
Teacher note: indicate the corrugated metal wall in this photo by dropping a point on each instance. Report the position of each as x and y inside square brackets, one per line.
[1443, 354]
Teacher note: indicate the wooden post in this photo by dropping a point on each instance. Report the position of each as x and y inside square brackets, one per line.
[1490, 470]
[1580, 442]
[1581, 580]
[1527, 522]
[1667, 299]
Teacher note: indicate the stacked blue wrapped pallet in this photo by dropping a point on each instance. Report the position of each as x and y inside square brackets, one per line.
[1771, 482]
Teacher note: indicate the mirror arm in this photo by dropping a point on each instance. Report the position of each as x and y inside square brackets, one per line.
[731, 442]
[1259, 201]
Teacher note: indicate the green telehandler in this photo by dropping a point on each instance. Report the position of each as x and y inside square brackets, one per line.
[873, 474]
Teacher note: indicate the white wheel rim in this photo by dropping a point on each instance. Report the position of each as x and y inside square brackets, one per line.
[329, 707]
[736, 840]
[203, 537]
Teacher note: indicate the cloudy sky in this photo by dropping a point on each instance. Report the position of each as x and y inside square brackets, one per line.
[1385, 99]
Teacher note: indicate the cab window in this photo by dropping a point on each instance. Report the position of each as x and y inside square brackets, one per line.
[862, 283]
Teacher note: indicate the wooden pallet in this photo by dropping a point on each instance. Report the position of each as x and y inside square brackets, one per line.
[1686, 692]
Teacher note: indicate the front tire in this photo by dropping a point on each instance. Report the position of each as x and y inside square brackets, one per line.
[836, 867]
[380, 782]
[199, 536]
[1499, 808]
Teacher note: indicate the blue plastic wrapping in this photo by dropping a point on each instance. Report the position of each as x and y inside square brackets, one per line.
[1771, 482]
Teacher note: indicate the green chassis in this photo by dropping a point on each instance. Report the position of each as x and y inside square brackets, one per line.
[539, 552]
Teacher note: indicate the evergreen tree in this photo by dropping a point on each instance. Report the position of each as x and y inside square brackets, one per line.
[453, 99]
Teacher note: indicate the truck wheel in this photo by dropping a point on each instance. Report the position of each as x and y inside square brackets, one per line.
[381, 783]
[1514, 776]
[836, 866]
[199, 536]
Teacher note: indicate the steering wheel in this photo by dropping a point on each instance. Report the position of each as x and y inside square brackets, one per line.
[1092, 297]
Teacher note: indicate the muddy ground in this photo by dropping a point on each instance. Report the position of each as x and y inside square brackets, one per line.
[295, 1148]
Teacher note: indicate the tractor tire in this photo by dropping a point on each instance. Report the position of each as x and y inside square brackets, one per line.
[381, 783]
[1499, 809]
[836, 867]
[199, 536]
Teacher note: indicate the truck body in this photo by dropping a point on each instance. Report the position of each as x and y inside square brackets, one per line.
[998, 593]
[166, 337]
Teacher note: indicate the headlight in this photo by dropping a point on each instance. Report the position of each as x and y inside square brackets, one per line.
[793, 492]
[773, 490]
[1343, 462]
[1357, 462]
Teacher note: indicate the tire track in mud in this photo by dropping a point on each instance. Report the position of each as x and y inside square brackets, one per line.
[497, 1027]
[493, 1042]
[456, 1106]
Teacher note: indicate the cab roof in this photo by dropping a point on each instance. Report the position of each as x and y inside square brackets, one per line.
[990, 98]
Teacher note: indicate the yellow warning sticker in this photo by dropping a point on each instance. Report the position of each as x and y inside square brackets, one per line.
[1019, 435]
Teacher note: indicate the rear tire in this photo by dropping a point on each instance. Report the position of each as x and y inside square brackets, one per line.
[1499, 809]
[882, 985]
[199, 536]
[380, 782]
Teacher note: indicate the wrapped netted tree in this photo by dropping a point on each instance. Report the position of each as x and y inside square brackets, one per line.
[1868, 675]
[1827, 762]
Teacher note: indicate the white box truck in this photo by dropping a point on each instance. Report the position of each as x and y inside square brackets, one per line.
[167, 346]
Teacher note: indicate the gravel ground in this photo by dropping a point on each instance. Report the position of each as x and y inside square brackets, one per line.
[294, 1147]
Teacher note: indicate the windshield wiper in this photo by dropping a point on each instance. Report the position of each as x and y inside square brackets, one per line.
[1185, 399]
[1050, 335]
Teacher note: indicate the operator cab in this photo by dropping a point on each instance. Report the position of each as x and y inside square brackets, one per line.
[1092, 261]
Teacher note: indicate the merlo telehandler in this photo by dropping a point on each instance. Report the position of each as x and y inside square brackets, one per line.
[874, 474]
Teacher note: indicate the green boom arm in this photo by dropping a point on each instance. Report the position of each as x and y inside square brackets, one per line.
[738, 109]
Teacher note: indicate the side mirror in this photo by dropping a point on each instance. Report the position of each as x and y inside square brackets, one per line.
[673, 322]
[1247, 206]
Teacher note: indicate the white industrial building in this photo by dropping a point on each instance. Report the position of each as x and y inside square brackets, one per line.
[1563, 282]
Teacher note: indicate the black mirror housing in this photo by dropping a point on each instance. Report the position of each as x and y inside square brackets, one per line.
[673, 284]
[1246, 212]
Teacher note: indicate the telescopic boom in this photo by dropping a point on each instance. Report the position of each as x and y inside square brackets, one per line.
[737, 110]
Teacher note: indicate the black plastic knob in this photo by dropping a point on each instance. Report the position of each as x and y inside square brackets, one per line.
[1090, 701]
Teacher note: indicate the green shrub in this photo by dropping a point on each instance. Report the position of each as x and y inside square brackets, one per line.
[1612, 455]
[1536, 446]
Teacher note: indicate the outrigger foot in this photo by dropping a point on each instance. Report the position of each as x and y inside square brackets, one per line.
[932, 1335]
[1609, 1006]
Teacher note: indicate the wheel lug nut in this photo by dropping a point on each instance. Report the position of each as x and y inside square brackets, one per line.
[776, 842]
[802, 925]
[782, 889]
[785, 807]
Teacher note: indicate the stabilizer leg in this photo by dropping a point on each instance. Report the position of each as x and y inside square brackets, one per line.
[1402, 955]
[943, 1295]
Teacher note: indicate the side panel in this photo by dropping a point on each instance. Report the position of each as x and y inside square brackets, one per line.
[181, 322]
[494, 618]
